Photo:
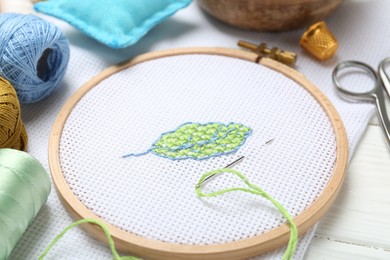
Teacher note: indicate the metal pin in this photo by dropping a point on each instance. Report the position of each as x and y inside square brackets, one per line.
[230, 165]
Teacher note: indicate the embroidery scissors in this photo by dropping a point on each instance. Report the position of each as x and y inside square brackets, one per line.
[374, 94]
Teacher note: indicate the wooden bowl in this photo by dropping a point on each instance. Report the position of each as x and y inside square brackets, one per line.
[269, 15]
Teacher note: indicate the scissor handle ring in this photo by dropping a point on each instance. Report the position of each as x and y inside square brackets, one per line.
[347, 94]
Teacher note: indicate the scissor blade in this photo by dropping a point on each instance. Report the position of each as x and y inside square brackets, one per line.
[383, 75]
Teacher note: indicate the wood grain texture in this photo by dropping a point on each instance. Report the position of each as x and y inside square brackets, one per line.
[241, 249]
[358, 223]
[326, 249]
[270, 15]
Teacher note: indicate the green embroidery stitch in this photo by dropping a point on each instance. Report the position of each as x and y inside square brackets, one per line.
[199, 141]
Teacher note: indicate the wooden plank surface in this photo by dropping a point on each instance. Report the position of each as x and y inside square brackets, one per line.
[324, 249]
[358, 224]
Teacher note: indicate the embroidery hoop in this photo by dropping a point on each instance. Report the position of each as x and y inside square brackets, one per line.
[240, 249]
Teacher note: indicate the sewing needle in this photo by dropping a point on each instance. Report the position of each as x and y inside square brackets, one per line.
[230, 165]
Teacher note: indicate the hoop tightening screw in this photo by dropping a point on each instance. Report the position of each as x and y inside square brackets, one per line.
[286, 57]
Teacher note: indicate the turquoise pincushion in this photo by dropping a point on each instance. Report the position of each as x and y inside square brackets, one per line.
[117, 23]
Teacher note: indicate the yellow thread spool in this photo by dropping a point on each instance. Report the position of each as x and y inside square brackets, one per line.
[12, 131]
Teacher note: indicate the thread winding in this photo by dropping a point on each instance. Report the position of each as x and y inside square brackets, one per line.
[24, 188]
[12, 131]
[34, 55]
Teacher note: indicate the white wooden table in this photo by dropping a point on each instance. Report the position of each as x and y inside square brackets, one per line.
[358, 224]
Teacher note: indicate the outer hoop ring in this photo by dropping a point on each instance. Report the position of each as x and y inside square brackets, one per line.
[242, 249]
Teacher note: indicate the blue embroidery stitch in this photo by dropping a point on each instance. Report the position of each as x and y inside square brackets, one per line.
[199, 141]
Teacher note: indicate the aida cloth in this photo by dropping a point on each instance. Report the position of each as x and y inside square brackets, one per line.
[154, 196]
[192, 28]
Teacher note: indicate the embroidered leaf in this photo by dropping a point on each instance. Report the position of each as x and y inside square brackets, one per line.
[200, 141]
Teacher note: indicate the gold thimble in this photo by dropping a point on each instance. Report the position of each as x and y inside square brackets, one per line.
[319, 41]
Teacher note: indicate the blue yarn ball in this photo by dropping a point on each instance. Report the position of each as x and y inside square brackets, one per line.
[34, 55]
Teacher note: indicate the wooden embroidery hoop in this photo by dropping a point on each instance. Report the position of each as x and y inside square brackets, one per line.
[241, 249]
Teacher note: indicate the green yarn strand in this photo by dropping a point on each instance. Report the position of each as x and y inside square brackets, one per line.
[96, 222]
[253, 189]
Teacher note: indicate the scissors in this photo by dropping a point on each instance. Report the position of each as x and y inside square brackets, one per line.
[374, 94]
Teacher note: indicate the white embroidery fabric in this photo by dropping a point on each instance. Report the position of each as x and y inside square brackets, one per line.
[153, 196]
[192, 28]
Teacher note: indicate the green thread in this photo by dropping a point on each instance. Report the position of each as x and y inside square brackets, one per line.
[199, 141]
[96, 222]
[292, 244]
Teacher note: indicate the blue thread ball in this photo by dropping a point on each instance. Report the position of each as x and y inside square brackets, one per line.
[34, 55]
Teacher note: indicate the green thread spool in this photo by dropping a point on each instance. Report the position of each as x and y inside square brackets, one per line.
[24, 188]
